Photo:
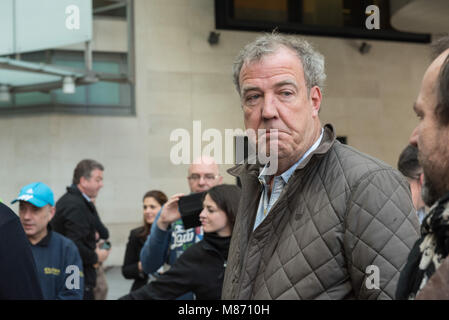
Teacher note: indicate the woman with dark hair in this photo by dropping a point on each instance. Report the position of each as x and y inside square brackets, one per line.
[132, 267]
[200, 269]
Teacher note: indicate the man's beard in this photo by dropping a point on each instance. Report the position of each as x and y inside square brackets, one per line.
[434, 186]
[435, 176]
[429, 192]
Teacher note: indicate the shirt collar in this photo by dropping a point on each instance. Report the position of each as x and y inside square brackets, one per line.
[45, 240]
[75, 187]
[86, 197]
[287, 174]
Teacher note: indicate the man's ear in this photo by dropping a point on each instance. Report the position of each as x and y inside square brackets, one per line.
[421, 179]
[52, 212]
[315, 99]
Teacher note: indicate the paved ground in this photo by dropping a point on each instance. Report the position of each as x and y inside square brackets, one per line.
[118, 285]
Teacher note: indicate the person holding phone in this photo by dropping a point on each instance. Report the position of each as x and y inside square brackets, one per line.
[200, 269]
[168, 238]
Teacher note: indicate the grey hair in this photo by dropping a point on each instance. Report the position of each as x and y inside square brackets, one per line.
[312, 61]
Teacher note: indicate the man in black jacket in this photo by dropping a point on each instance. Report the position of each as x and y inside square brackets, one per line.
[77, 218]
[18, 277]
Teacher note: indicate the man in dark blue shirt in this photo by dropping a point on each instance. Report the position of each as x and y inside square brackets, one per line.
[58, 261]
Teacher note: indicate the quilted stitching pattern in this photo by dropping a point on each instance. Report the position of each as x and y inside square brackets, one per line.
[347, 212]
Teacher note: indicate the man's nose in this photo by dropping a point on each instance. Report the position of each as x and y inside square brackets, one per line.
[26, 214]
[269, 110]
[414, 138]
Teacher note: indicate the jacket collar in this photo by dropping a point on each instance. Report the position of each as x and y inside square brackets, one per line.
[73, 189]
[253, 169]
[213, 242]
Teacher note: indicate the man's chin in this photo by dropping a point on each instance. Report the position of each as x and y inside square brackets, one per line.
[30, 233]
[430, 193]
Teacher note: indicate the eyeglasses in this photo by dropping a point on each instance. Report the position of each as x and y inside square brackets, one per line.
[207, 177]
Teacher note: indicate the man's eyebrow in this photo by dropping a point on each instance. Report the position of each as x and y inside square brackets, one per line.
[276, 85]
[286, 83]
[249, 88]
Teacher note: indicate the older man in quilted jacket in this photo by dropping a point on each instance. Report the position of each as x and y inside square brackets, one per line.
[320, 220]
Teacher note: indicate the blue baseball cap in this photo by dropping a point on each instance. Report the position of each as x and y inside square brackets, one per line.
[38, 194]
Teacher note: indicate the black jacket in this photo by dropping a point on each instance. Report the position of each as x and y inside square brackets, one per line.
[200, 269]
[78, 220]
[18, 276]
[130, 269]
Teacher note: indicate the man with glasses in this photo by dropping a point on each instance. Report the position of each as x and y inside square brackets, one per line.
[168, 239]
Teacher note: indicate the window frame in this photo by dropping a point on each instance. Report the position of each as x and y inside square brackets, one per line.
[86, 109]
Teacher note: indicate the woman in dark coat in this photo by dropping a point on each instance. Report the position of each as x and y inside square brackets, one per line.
[200, 269]
[132, 268]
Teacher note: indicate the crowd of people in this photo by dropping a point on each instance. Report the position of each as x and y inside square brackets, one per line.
[309, 230]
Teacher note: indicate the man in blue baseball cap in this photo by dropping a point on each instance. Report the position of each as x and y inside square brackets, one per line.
[38, 198]
[57, 258]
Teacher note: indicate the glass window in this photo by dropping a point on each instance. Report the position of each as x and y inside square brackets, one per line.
[99, 97]
[261, 10]
[32, 98]
[109, 8]
[340, 18]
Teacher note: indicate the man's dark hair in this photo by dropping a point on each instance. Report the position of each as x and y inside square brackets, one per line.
[84, 169]
[408, 163]
[442, 107]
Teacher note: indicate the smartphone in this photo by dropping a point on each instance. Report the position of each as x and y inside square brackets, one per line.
[190, 208]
